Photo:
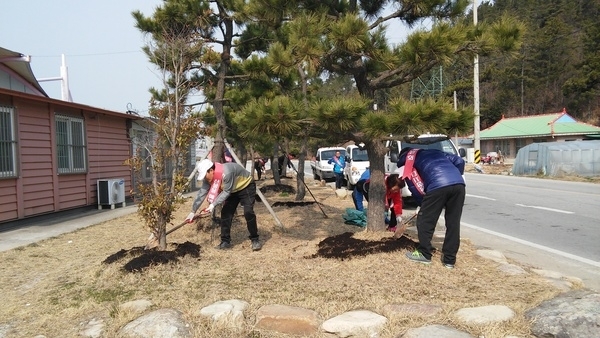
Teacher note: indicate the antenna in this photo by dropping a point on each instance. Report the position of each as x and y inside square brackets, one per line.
[64, 78]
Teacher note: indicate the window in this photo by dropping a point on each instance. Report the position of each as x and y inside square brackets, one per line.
[8, 143]
[519, 143]
[70, 143]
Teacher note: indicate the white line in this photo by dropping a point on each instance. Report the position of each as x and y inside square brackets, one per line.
[537, 246]
[544, 208]
[482, 197]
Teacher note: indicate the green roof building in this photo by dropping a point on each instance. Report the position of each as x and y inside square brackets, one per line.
[511, 134]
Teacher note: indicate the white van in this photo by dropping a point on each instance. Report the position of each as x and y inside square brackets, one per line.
[425, 141]
[320, 168]
[357, 161]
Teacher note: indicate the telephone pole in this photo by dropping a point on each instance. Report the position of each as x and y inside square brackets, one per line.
[476, 141]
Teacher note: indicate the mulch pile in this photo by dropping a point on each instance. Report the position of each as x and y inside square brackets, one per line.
[342, 246]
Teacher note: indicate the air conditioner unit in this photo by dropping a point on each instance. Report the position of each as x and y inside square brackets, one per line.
[111, 192]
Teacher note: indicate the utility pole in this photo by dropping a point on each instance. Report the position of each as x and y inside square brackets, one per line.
[476, 142]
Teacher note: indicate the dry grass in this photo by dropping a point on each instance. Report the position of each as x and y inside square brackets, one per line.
[55, 286]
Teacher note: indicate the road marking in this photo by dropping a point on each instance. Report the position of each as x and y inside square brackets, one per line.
[544, 208]
[482, 197]
[537, 246]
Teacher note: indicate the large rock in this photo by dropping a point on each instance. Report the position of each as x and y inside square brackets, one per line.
[485, 314]
[163, 323]
[571, 314]
[359, 323]
[287, 319]
[229, 313]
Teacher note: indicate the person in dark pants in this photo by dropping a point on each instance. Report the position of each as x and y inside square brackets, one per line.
[259, 166]
[280, 161]
[230, 184]
[338, 168]
[435, 180]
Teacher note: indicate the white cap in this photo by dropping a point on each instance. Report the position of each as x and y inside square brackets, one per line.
[202, 167]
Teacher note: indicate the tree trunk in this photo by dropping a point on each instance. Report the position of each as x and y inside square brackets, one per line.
[300, 188]
[162, 234]
[376, 205]
[275, 164]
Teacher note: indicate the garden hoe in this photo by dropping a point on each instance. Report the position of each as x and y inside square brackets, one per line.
[153, 241]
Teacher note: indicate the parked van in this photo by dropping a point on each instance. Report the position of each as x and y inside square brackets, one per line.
[357, 161]
[320, 168]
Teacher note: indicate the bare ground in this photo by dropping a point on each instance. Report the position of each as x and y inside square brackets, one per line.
[315, 261]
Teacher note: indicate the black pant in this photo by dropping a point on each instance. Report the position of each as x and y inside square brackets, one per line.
[452, 198]
[258, 167]
[339, 179]
[246, 197]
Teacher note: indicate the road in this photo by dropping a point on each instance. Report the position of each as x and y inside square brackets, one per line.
[548, 224]
[551, 224]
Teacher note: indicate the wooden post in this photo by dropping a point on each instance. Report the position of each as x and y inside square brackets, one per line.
[262, 197]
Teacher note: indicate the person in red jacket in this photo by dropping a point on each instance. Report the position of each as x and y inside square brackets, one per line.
[393, 197]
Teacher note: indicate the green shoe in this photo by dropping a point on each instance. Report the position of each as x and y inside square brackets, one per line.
[416, 256]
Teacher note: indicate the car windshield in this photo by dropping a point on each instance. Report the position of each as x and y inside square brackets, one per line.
[360, 155]
[327, 154]
[443, 145]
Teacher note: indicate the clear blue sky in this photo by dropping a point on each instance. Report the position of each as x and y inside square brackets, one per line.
[102, 47]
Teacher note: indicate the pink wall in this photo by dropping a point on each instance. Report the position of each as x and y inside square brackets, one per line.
[39, 188]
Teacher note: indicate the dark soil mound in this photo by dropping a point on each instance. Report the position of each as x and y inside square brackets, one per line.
[278, 188]
[146, 258]
[344, 246]
[293, 204]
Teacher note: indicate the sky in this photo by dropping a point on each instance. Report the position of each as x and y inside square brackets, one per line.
[106, 66]
[102, 48]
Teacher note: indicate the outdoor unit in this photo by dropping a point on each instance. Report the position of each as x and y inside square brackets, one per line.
[111, 192]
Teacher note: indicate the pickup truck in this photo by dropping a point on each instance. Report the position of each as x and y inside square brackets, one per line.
[320, 168]
[357, 161]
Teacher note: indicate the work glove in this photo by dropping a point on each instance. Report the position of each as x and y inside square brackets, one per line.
[190, 217]
[209, 208]
[399, 219]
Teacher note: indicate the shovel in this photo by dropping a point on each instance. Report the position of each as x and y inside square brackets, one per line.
[153, 241]
[400, 228]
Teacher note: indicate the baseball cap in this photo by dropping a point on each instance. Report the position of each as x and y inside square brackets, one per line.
[203, 166]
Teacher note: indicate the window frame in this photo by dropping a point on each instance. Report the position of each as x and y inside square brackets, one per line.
[74, 154]
[10, 142]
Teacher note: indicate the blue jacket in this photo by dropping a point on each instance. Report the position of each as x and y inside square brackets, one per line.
[437, 169]
[338, 167]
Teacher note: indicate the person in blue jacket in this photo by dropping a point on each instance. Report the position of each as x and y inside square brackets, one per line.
[339, 163]
[435, 179]
[359, 194]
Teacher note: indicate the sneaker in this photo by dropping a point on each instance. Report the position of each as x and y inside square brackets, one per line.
[256, 245]
[392, 229]
[447, 265]
[417, 257]
[223, 246]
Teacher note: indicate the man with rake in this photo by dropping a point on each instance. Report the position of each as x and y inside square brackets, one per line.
[229, 184]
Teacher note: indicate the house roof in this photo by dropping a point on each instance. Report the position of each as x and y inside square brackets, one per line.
[556, 124]
[19, 64]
